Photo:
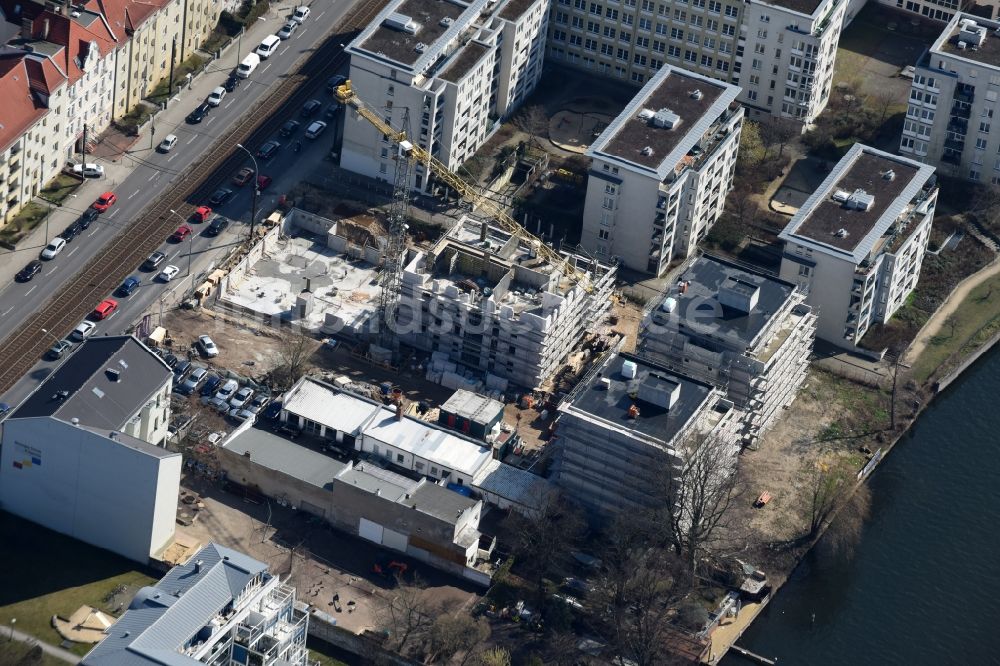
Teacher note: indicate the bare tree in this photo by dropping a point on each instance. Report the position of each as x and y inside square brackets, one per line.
[456, 635]
[542, 543]
[984, 203]
[951, 321]
[881, 104]
[844, 532]
[406, 617]
[696, 500]
[290, 358]
[778, 132]
[534, 122]
[830, 488]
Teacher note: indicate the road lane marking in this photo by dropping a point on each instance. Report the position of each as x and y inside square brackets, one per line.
[114, 213]
[112, 315]
[303, 31]
[264, 69]
[133, 194]
[283, 51]
[155, 174]
[54, 269]
[228, 104]
[209, 121]
[6, 311]
[192, 138]
[171, 157]
[30, 290]
[70, 253]
[320, 15]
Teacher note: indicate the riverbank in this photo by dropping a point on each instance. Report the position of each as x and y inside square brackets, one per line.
[826, 427]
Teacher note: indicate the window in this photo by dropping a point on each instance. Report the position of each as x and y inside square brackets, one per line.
[645, 24]
[984, 127]
[980, 144]
[609, 203]
[973, 174]
[803, 270]
[434, 470]
[764, 18]
[756, 64]
[752, 95]
[399, 457]
[419, 466]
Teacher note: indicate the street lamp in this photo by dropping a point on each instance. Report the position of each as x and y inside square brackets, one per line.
[13, 621]
[51, 335]
[256, 188]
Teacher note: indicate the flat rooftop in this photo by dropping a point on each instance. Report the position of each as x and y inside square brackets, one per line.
[103, 383]
[515, 8]
[611, 404]
[806, 7]
[281, 455]
[438, 501]
[344, 287]
[477, 408]
[463, 61]
[702, 306]
[830, 222]
[690, 102]
[400, 46]
[387, 485]
[988, 53]
[324, 404]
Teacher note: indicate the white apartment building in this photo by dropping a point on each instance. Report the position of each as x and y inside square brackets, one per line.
[221, 607]
[445, 71]
[82, 456]
[780, 53]
[629, 424]
[661, 170]
[953, 100]
[483, 301]
[857, 244]
[748, 333]
[938, 10]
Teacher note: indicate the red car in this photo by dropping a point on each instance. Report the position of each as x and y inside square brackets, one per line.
[201, 213]
[243, 176]
[105, 201]
[104, 310]
[182, 232]
[263, 182]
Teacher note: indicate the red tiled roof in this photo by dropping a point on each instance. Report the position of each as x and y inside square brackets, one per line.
[125, 16]
[43, 74]
[19, 110]
[75, 38]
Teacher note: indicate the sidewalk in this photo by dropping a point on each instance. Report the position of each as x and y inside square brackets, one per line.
[51, 650]
[118, 168]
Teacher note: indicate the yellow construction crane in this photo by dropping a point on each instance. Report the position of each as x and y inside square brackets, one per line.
[469, 192]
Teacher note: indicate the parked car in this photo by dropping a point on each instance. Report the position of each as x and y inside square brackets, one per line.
[258, 403]
[153, 261]
[268, 150]
[301, 14]
[263, 182]
[33, 268]
[87, 218]
[181, 369]
[215, 97]
[241, 398]
[57, 350]
[83, 330]
[217, 226]
[216, 403]
[272, 411]
[170, 360]
[289, 128]
[201, 213]
[221, 196]
[207, 346]
[89, 170]
[199, 113]
[243, 176]
[105, 201]
[53, 248]
[315, 129]
[335, 82]
[241, 415]
[287, 30]
[310, 108]
[211, 385]
[180, 234]
[227, 390]
[168, 143]
[268, 46]
[128, 286]
[198, 375]
[104, 309]
[70, 232]
[331, 111]
[232, 83]
[168, 274]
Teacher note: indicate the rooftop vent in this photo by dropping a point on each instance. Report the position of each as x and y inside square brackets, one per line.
[738, 294]
[659, 390]
[841, 233]
[962, 45]
[646, 114]
[113, 374]
[647, 151]
[629, 369]
[889, 175]
[197, 566]
[697, 94]
[60, 395]
[860, 200]
[972, 33]
[666, 118]
[401, 22]
[113, 435]
[840, 196]
[420, 47]
[446, 22]
[75, 421]
[669, 304]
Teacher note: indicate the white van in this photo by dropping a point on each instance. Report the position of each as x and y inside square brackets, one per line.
[268, 46]
[249, 64]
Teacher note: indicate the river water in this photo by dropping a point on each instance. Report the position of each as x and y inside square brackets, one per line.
[922, 584]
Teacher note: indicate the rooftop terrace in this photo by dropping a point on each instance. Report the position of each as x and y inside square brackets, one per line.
[416, 23]
[987, 52]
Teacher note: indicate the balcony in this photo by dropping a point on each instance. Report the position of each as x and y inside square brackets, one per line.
[954, 144]
[951, 157]
[961, 111]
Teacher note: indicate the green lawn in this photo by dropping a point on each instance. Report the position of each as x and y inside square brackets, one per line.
[318, 653]
[60, 187]
[51, 574]
[21, 224]
[194, 63]
[976, 320]
[22, 654]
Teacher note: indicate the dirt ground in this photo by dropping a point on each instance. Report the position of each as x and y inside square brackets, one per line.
[318, 561]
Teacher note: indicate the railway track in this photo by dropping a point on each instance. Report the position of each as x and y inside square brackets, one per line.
[119, 257]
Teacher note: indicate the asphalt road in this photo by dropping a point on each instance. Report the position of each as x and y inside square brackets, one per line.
[153, 175]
